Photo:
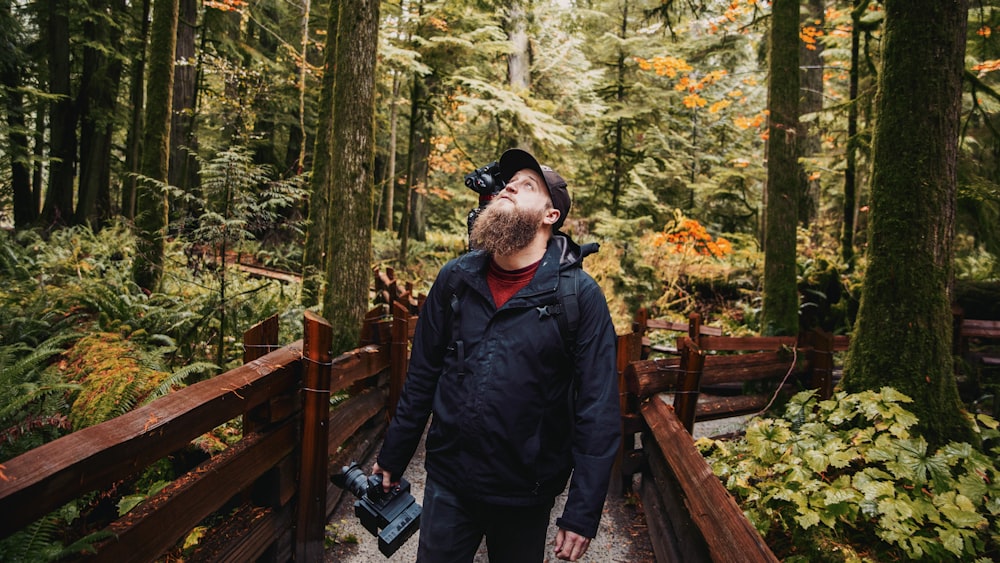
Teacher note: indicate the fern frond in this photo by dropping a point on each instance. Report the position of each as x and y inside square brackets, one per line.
[179, 376]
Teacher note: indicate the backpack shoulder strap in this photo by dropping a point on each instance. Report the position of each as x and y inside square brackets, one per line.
[566, 296]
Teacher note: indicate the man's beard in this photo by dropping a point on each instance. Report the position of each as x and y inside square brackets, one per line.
[502, 232]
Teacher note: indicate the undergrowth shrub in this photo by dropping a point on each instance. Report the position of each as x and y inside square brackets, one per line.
[845, 480]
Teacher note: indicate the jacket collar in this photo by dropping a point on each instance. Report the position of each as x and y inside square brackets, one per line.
[561, 253]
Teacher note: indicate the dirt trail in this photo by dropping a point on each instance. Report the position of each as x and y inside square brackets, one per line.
[622, 537]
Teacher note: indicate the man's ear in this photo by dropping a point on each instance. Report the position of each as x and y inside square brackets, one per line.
[551, 216]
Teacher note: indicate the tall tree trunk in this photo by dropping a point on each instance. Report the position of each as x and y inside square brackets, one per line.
[151, 203]
[811, 55]
[519, 60]
[618, 171]
[903, 334]
[353, 174]
[25, 212]
[38, 163]
[417, 144]
[851, 166]
[303, 65]
[389, 201]
[58, 208]
[98, 102]
[314, 254]
[780, 308]
[137, 94]
[182, 170]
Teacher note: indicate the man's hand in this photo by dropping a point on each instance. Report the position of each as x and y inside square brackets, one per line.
[570, 545]
[387, 482]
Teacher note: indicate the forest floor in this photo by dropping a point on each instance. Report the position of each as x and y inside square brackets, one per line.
[622, 538]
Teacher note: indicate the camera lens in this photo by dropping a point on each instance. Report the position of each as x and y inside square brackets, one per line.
[355, 480]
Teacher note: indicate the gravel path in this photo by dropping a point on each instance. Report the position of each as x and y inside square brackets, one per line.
[622, 537]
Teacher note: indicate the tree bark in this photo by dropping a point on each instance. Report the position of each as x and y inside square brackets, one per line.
[353, 174]
[25, 211]
[780, 307]
[182, 170]
[58, 208]
[903, 334]
[811, 56]
[851, 165]
[98, 104]
[314, 253]
[137, 95]
[151, 203]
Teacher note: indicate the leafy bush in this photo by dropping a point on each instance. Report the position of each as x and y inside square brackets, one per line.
[841, 479]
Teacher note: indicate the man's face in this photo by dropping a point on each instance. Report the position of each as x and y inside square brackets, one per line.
[525, 189]
[511, 221]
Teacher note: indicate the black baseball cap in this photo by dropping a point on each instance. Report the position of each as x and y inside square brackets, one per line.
[514, 160]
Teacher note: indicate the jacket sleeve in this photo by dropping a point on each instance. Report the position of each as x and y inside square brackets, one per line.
[597, 422]
[426, 362]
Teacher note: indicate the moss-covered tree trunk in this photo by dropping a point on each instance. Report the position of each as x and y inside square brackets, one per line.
[352, 172]
[313, 263]
[781, 302]
[902, 337]
[151, 203]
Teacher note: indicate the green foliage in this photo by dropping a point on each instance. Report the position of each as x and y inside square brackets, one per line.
[848, 473]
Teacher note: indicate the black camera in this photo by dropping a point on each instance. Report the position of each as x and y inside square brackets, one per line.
[395, 513]
[485, 181]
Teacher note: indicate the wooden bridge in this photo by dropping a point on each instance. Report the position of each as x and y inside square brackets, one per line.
[268, 497]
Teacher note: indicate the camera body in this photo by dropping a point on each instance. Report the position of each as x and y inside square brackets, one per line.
[391, 516]
[486, 182]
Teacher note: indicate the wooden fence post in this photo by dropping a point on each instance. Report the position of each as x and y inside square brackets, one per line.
[629, 350]
[314, 462]
[689, 380]
[258, 341]
[821, 362]
[398, 361]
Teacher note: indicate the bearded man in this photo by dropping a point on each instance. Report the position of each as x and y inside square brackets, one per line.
[517, 410]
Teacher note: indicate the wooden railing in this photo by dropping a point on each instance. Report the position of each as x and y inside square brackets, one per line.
[691, 516]
[269, 494]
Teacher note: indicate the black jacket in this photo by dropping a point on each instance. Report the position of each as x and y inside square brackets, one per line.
[507, 430]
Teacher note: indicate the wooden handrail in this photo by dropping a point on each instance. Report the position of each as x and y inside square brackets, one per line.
[727, 533]
[93, 458]
[279, 469]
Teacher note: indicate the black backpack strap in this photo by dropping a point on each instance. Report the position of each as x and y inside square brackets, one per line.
[566, 295]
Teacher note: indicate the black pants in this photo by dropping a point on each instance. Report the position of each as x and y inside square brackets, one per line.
[452, 527]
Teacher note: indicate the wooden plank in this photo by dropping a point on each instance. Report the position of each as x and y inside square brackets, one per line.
[352, 414]
[975, 328]
[715, 407]
[246, 535]
[729, 535]
[749, 367]
[672, 532]
[153, 527]
[51, 475]
[356, 365]
[648, 377]
[746, 343]
[310, 518]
